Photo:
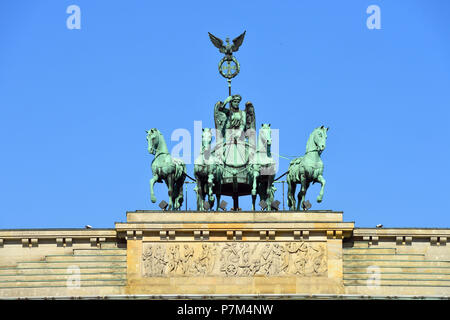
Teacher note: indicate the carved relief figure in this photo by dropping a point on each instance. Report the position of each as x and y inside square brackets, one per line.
[187, 259]
[174, 258]
[205, 261]
[159, 260]
[147, 257]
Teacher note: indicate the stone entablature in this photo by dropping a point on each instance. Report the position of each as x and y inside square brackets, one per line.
[216, 253]
[59, 237]
[242, 226]
[402, 236]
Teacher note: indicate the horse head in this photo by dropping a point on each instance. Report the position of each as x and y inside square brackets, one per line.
[206, 138]
[153, 140]
[317, 140]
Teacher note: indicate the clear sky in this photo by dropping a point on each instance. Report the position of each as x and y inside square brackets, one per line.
[75, 103]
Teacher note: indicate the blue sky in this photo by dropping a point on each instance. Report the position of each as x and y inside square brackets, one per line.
[74, 103]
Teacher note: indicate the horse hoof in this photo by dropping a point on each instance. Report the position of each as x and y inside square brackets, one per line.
[153, 199]
[319, 200]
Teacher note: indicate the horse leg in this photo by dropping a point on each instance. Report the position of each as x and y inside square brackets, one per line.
[306, 189]
[175, 196]
[180, 197]
[198, 200]
[198, 197]
[178, 194]
[181, 194]
[255, 174]
[291, 193]
[218, 199]
[301, 193]
[321, 180]
[263, 194]
[205, 194]
[199, 194]
[170, 190]
[269, 192]
[299, 198]
[218, 192]
[210, 190]
[152, 193]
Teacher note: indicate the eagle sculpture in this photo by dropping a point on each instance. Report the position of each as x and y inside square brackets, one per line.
[229, 48]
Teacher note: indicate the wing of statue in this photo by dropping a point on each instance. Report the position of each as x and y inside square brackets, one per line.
[238, 41]
[218, 43]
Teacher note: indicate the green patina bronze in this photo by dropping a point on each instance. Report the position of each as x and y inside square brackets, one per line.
[307, 169]
[165, 168]
[262, 169]
[235, 146]
[229, 66]
[238, 165]
[208, 171]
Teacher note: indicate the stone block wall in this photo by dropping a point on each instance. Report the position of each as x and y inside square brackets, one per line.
[46, 263]
[397, 262]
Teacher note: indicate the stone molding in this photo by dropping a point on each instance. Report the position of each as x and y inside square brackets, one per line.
[60, 237]
[226, 226]
[401, 236]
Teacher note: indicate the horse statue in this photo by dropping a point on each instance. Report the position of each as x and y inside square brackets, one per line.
[164, 167]
[262, 168]
[208, 173]
[307, 169]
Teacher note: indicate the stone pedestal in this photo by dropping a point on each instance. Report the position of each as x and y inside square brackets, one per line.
[234, 253]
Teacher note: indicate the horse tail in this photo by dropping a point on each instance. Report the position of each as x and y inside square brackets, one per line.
[179, 177]
[289, 181]
[180, 169]
[295, 168]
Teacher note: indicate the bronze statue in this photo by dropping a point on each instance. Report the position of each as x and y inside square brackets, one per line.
[237, 165]
[307, 169]
[229, 66]
[208, 174]
[165, 168]
[227, 49]
[234, 122]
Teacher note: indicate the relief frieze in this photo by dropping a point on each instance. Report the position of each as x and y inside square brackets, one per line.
[233, 259]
